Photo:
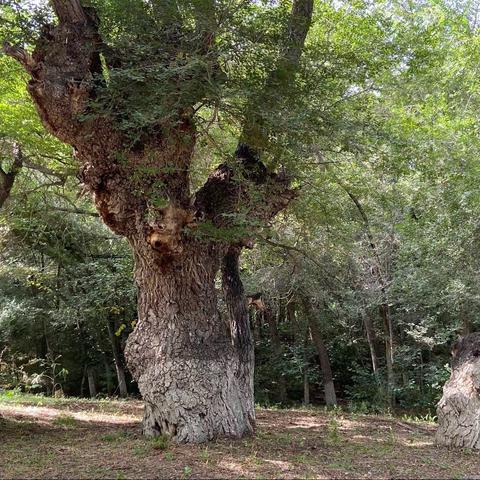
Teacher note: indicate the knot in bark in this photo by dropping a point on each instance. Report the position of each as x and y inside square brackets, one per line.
[165, 234]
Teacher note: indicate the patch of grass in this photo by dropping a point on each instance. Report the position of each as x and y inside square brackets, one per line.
[204, 455]
[283, 438]
[66, 421]
[333, 433]
[162, 442]
[107, 405]
[115, 437]
[301, 459]
[253, 458]
[341, 464]
[427, 418]
[331, 443]
[141, 450]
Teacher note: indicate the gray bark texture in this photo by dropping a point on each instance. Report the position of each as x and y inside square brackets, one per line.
[195, 370]
[459, 408]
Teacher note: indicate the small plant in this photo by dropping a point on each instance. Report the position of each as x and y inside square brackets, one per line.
[427, 418]
[114, 437]
[391, 438]
[141, 451]
[168, 456]
[333, 434]
[187, 471]
[161, 442]
[205, 455]
[254, 459]
[302, 458]
[66, 421]
[467, 451]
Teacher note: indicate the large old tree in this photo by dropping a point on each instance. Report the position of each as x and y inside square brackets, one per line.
[459, 408]
[95, 85]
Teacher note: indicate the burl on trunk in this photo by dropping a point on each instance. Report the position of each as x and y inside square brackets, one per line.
[459, 408]
[193, 367]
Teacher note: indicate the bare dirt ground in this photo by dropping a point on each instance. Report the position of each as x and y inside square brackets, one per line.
[72, 438]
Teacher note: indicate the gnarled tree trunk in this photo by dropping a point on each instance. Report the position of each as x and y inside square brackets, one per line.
[459, 408]
[193, 368]
[191, 372]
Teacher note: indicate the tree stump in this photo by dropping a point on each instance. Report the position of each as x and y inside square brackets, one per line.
[459, 408]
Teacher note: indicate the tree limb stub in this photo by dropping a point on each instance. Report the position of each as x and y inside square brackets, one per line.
[19, 54]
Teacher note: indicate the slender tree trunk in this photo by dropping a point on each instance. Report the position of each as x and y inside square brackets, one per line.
[82, 383]
[327, 376]
[388, 327]
[108, 376]
[117, 356]
[372, 342]
[92, 387]
[194, 370]
[277, 352]
[306, 382]
[306, 387]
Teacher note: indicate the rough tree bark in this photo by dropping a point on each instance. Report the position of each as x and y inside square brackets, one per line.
[325, 367]
[7, 179]
[194, 370]
[327, 376]
[459, 408]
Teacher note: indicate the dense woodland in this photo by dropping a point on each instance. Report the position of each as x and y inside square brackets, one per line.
[356, 291]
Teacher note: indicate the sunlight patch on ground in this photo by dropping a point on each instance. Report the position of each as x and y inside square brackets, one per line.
[48, 414]
[280, 464]
[234, 467]
[304, 422]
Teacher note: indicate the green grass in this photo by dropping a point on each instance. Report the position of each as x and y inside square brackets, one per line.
[313, 443]
[66, 421]
[162, 442]
[115, 437]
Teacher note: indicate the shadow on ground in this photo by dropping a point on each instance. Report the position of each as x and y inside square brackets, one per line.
[103, 440]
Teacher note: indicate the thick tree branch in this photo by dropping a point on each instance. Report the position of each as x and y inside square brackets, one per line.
[256, 194]
[300, 20]
[69, 11]
[20, 55]
[44, 170]
[205, 24]
[76, 211]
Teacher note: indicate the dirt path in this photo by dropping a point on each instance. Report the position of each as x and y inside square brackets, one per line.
[102, 439]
